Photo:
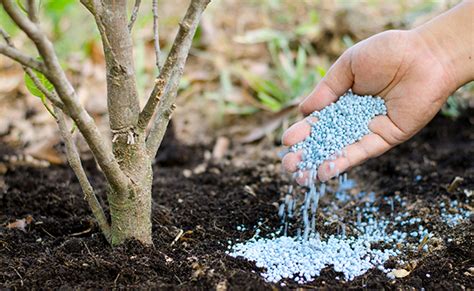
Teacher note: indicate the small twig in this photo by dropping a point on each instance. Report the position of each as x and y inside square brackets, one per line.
[180, 234]
[171, 74]
[87, 248]
[156, 35]
[19, 56]
[116, 278]
[33, 10]
[21, 278]
[134, 15]
[52, 236]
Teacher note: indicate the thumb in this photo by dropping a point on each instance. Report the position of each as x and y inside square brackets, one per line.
[337, 81]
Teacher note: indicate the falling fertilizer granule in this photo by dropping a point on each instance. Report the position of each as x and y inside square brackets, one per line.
[302, 256]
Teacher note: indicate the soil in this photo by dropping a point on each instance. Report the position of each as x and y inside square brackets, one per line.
[198, 205]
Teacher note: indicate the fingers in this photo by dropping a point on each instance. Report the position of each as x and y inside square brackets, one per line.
[298, 131]
[370, 146]
[291, 160]
[337, 81]
[290, 163]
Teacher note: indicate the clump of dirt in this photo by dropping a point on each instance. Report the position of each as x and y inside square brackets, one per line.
[197, 207]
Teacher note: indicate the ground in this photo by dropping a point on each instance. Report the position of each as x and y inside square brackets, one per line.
[204, 202]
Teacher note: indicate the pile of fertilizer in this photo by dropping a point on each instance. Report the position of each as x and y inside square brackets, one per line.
[302, 260]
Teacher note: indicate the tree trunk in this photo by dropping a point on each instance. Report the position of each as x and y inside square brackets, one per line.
[131, 212]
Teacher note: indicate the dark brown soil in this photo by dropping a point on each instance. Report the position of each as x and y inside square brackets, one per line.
[62, 246]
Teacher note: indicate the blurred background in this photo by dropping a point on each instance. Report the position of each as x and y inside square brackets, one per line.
[252, 61]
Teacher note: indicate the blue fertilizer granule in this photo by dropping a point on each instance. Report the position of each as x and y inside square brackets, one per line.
[338, 125]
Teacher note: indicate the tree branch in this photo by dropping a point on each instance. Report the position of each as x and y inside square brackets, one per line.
[122, 96]
[73, 156]
[134, 15]
[156, 35]
[76, 165]
[98, 145]
[23, 59]
[171, 74]
[51, 97]
[33, 10]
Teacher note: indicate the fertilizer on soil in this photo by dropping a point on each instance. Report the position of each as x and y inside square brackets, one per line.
[374, 239]
[301, 257]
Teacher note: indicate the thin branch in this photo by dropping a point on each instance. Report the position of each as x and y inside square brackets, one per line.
[134, 15]
[73, 157]
[33, 10]
[171, 74]
[55, 74]
[22, 58]
[51, 97]
[76, 165]
[156, 35]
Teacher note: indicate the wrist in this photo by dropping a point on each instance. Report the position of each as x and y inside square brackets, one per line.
[450, 38]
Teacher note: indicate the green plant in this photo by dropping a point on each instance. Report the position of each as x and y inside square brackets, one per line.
[291, 78]
[458, 102]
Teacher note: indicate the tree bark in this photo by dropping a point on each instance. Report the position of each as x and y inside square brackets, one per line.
[131, 212]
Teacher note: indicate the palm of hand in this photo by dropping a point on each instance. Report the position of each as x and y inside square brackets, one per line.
[395, 65]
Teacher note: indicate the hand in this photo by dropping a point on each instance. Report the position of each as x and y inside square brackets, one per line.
[399, 66]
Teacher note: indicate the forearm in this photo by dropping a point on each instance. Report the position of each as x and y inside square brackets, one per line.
[450, 37]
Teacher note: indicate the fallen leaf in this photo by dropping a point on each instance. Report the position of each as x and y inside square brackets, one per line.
[400, 273]
[199, 270]
[220, 148]
[20, 223]
[201, 168]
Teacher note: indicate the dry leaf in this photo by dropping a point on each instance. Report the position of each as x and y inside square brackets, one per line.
[198, 270]
[45, 150]
[400, 273]
[201, 168]
[220, 148]
[20, 223]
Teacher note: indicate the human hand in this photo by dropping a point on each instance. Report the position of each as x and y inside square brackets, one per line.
[399, 66]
